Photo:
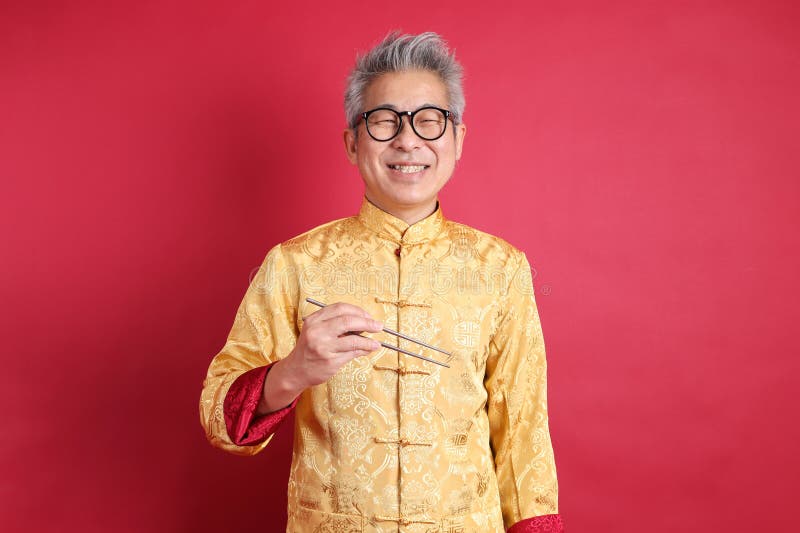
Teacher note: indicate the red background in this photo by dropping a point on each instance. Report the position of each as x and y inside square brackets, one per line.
[643, 154]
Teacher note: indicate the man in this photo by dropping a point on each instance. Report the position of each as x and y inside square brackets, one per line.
[385, 441]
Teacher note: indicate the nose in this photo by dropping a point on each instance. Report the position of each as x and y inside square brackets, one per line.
[406, 139]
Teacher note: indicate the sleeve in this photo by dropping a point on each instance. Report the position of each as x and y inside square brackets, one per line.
[516, 382]
[263, 332]
[244, 427]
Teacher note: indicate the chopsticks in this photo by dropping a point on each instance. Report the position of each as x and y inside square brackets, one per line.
[402, 336]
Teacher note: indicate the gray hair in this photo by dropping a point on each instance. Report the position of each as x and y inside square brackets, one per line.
[426, 51]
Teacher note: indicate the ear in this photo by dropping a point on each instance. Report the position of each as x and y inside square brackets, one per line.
[461, 132]
[350, 145]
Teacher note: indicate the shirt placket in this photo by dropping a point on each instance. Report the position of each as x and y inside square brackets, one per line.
[408, 375]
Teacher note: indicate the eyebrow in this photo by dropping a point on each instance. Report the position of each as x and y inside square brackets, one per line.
[394, 107]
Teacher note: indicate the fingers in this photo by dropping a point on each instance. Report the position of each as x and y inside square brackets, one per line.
[354, 343]
[354, 355]
[334, 329]
[343, 324]
[337, 309]
[340, 318]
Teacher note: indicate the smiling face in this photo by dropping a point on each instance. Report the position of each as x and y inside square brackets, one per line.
[403, 176]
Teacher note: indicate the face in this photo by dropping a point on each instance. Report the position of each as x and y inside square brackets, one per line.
[403, 176]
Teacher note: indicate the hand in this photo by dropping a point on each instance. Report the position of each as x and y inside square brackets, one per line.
[328, 340]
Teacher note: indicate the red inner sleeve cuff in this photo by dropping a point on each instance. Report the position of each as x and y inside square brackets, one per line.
[550, 523]
[244, 428]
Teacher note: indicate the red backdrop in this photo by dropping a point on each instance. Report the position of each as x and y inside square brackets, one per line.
[643, 154]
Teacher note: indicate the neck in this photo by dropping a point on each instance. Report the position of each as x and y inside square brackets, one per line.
[409, 215]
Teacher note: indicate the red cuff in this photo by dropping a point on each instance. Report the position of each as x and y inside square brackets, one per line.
[244, 428]
[549, 523]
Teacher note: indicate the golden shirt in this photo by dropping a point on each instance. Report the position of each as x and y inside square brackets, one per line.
[393, 443]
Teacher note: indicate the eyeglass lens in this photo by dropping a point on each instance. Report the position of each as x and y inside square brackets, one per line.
[429, 123]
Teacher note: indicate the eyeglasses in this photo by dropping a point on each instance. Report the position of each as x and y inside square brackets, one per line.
[383, 124]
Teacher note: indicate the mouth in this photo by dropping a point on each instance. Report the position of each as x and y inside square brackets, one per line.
[408, 168]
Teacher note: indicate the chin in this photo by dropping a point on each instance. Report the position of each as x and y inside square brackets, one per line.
[409, 200]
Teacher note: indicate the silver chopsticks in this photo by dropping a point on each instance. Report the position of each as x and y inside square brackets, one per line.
[402, 336]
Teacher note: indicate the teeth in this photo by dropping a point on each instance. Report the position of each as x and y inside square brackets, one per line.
[408, 169]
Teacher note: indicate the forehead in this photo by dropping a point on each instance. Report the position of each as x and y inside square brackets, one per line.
[406, 90]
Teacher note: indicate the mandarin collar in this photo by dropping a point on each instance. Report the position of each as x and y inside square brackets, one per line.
[396, 229]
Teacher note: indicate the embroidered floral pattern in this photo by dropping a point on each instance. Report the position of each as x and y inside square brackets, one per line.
[550, 523]
[244, 428]
[391, 440]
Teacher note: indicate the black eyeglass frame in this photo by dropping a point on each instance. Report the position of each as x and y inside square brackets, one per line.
[410, 114]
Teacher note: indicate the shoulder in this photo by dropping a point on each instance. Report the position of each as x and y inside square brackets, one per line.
[486, 248]
[311, 242]
[321, 232]
[284, 260]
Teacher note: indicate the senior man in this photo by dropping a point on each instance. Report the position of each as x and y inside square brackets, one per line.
[384, 441]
